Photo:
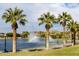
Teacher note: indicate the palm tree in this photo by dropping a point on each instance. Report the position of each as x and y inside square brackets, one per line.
[14, 16]
[74, 27]
[77, 30]
[63, 19]
[48, 20]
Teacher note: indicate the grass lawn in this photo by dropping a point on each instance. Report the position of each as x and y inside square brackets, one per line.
[66, 51]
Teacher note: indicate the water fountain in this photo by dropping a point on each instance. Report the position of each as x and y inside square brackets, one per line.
[36, 39]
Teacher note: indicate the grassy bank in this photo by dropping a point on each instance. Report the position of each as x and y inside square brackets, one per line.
[67, 51]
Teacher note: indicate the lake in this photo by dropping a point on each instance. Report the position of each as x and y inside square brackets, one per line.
[23, 43]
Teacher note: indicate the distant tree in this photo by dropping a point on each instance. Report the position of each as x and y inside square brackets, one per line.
[42, 35]
[25, 34]
[10, 34]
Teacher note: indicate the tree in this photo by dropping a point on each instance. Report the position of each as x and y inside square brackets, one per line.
[14, 16]
[64, 18]
[48, 20]
[25, 34]
[74, 27]
[10, 34]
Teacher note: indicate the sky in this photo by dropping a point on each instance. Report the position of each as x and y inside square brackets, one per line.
[33, 12]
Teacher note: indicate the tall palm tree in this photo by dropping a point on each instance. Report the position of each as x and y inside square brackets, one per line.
[77, 30]
[48, 20]
[64, 18]
[74, 27]
[14, 16]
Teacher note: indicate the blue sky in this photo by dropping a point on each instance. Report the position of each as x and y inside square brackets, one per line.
[34, 10]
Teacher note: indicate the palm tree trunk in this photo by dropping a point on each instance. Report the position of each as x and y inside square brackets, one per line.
[74, 42]
[78, 35]
[64, 34]
[14, 40]
[71, 37]
[47, 40]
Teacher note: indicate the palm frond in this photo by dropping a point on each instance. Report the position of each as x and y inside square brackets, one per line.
[23, 21]
[14, 15]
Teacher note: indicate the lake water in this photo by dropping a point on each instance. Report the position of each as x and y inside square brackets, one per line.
[23, 43]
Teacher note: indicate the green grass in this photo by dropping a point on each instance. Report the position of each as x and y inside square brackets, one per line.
[66, 51]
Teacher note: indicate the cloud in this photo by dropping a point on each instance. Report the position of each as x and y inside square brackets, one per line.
[71, 5]
[55, 5]
[34, 10]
